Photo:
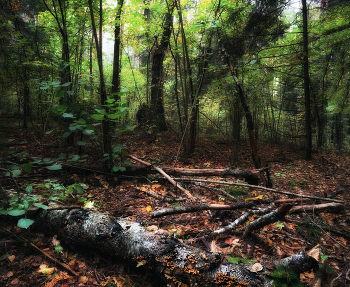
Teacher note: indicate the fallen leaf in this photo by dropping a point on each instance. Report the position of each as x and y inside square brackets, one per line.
[152, 228]
[11, 258]
[14, 281]
[9, 274]
[90, 204]
[83, 279]
[47, 271]
[149, 208]
[315, 252]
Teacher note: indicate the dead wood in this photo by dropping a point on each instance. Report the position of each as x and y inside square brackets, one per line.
[273, 216]
[174, 262]
[200, 207]
[317, 207]
[165, 175]
[259, 187]
[251, 177]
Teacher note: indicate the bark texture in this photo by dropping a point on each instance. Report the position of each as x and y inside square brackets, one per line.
[174, 262]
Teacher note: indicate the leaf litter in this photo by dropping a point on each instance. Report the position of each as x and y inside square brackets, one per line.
[325, 176]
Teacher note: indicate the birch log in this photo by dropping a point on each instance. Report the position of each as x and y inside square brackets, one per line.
[175, 263]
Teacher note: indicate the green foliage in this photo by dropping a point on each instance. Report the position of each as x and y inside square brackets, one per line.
[284, 278]
[19, 203]
[56, 191]
[237, 260]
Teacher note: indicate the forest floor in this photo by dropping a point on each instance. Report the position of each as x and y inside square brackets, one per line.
[326, 175]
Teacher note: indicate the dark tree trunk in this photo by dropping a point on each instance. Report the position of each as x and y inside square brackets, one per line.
[308, 130]
[105, 123]
[117, 53]
[157, 83]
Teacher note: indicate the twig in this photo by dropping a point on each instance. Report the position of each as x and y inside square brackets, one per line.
[159, 197]
[220, 190]
[260, 187]
[43, 252]
[166, 175]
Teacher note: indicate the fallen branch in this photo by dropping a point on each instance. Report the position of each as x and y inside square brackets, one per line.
[165, 175]
[277, 214]
[259, 187]
[252, 177]
[200, 207]
[317, 207]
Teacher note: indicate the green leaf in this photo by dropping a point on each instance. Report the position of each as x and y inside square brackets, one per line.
[238, 260]
[82, 199]
[110, 101]
[79, 189]
[25, 222]
[114, 116]
[16, 212]
[128, 162]
[81, 143]
[88, 132]
[68, 115]
[54, 167]
[97, 117]
[58, 248]
[118, 168]
[5, 256]
[14, 173]
[37, 204]
[66, 84]
[27, 168]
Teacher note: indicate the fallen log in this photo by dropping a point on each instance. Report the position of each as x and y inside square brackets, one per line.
[174, 262]
[250, 176]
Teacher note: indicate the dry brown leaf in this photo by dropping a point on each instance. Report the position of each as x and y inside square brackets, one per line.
[11, 258]
[46, 270]
[152, 228]
[9, 274]
[83, 279]
[14, 281]
[315, 252]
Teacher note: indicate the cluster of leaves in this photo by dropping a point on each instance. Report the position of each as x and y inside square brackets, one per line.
[18, 204]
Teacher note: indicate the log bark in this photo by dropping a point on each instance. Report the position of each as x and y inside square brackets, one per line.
[249, 176]
[174, 262]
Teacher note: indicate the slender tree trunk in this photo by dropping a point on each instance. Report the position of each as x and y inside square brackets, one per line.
[308, 130]
[117, 53]
[107, 150]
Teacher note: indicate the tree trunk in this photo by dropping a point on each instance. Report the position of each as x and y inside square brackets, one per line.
[308, 130]
[117, 53]
[107, 150]
[157, 83]
[174, 262]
